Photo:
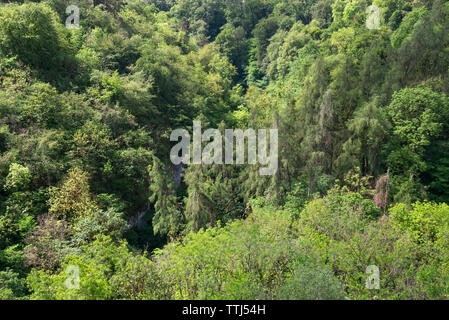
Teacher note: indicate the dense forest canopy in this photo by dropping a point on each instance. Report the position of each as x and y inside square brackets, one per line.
[86, 114]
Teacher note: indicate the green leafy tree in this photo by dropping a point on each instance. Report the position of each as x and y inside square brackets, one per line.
[167, 219]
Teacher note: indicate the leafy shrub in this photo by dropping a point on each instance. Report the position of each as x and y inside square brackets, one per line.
[311, 283]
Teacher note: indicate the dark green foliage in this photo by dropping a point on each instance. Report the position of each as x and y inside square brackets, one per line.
[167, 217]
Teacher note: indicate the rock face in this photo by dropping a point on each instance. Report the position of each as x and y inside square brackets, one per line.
[177, 174]
[136, 221]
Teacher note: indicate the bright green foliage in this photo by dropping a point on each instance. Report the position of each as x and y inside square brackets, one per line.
[32, 33]
[417, 116]
[418, 126]
[425, 220]
[19, 177]
[73, 198]
[311, 283]
[340, 214]
[267, 255]
[106, 271]
[255, 255]
[363, 175]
